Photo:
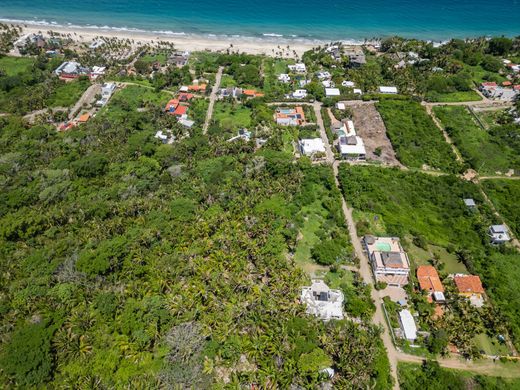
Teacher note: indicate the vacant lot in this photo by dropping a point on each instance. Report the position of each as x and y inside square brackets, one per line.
[418, 143]
[11, 66]
[370, 126]
[453, 97]
[483, 151]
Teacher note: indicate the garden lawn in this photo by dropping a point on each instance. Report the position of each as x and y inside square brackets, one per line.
[477, 146]
[12, 66]
[491, 346]
[415, 138]
[453, 97]
[231, 116]
[67, 93]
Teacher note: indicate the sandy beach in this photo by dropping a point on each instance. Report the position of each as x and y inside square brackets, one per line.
[184, 42]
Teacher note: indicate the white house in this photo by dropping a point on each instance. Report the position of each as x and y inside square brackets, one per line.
[97, 71]
[323, 75]
[348, 84]
[328, 83]
[96, 44]
[357, 91]
[352, 147]
[284, 78]
[303, 83]
[107, 90]
[298, 68]
[408, 325]
[389, 261]
[323, 302]
[340, 106]
[499, 234]
[388, 90]
[311, 146]
[299, 94]
[70, 69]
[332, 92]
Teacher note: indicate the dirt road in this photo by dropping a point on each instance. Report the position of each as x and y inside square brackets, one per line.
[212, 99]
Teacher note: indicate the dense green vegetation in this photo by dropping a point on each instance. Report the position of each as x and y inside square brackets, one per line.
[505, 195]
[430, 376]
[416, 139]
[496, 150]
[136, 264]
[426, 210]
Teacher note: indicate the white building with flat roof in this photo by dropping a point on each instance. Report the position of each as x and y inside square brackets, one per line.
[332, 92]
[408, 325]
[323, 302]
[312, 146]
[388, 90]
[389, 261]
[499, 234]
[298, 68]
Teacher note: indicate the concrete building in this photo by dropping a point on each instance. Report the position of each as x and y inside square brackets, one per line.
[498, 234]
[388, 90]
[408, 326]
[312, 146]
[389, 261]
[323, 302]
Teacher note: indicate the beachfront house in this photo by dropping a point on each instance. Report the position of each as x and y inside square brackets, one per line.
[390, 263]
[470, 287]
[312, 147]
[356, 56]
[71, 70]
[289, 116]
[430, 282]
[498, 234]
[332, 92]
[179, 58]
[388, 90]
[407, 324]
[298, 68]
[322, 302]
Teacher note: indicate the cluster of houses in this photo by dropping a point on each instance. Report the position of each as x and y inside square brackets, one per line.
[350, 146]
[71, 70]
[179, 106]
[506, 91]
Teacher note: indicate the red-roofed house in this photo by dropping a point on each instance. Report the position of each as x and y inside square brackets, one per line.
[185, 97]
[429, 281]
[470, 287]
[171, 106]
[507, 83]
[180, 111]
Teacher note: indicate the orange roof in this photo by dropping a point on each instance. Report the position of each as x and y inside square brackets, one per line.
[469, 284]
[84, 118]
[183, 96]
[201, 87]
[180, 110]
[429, 279]
[249, 92]
[507, 83]
[172, 104]
[258, 94]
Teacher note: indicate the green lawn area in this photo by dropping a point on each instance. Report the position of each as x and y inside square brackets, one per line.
[421, 256]
[478, 147]
[432, 377]
[67, 93]
[480, 75]
[313, 215]
[12, 66]
[453, 97]
[491, 346]
[280, 66]
[159, 57]
[231, 116]
[415, 138]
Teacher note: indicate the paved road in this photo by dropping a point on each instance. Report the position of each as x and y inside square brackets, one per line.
[212, 99]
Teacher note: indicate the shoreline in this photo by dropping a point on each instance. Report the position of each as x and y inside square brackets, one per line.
[250, 45]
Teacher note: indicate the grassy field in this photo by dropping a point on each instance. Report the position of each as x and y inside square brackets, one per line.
[67, 94]
[453, 97]
[416, 140]
[314, 217]
[422, 256]
[11, 66]
[491, 346]
[414, 376]
[231, 116]
[162, 58]
[476, 145]
[490, 118]
[505, 195]
[480, 75]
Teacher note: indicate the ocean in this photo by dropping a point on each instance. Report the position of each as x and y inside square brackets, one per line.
[290, 19]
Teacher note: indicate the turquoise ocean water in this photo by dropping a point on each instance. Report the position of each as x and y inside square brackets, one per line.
[293, 19]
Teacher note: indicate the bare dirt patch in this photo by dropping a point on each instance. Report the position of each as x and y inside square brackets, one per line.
[370, 126]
